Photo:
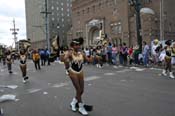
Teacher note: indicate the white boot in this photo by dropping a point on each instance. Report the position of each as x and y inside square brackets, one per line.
[82, 110]
[164, 73]
[97, 65]
[73, 104]
[1, 111]
[171, 75]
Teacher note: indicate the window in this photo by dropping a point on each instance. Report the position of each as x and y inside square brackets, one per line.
[88, 9]
[99, 5]
[116, 28]
[93, 8]
[67, 4]
[78, 13]
[147, 1]
[115, 2]
[52, 7]
[107, 2]
[62, 20]
[83, 11]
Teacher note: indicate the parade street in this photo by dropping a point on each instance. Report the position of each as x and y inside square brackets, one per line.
[113, 91]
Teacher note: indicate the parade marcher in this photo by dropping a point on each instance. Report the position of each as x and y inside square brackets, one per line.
[1, 112]
[4, 57]
[9, 61]
[168, 65]
[98, 57]
[23, 65]
[173, 54]
[104, 52]
[74, 60]
[36, 59]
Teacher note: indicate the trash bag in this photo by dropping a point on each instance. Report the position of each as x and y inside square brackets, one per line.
[8, 97]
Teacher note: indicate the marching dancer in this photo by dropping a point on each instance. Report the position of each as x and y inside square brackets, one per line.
[9, 61]
[23, 64]
[167, 60]
[76, 59]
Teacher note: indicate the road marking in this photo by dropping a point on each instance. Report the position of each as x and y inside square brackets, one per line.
[9, 86]
[8, 97]
[1, 90]
[92, 78]
[109, 74]
[115, 67]
[60, 85]
[33, 90]
[45, 93]
[123, 80]
[155, 69]
[123, 71]
[137, 69]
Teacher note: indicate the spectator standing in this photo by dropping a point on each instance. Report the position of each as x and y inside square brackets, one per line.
[145, 53]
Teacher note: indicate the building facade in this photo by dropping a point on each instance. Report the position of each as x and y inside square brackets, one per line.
[59, 16]
[116, 20]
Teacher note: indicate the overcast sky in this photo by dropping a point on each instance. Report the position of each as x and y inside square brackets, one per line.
[9, 10]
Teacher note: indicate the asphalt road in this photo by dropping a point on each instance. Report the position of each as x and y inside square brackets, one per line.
[113, 91]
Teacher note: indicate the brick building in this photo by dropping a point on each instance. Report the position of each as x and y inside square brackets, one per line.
[93, 19]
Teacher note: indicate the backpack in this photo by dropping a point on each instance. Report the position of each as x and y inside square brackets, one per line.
[36, 57]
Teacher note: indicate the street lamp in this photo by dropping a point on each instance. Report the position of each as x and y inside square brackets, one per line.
[137, 6]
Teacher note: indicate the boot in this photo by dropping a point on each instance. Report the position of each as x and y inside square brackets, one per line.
[164, 73]
[1, 112]
[25, 78]
[82, 110]
[171, 75]
[73, 105]
[97, 65]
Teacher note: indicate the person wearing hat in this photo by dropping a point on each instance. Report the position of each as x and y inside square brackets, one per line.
[74, 60]
[23, 64]
[167, 60]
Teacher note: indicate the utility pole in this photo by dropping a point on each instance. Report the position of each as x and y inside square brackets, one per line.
[47, 24]
[161, 20]
[137, 6]
[14, 32]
